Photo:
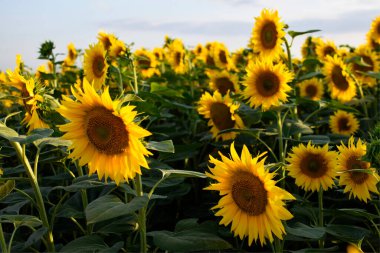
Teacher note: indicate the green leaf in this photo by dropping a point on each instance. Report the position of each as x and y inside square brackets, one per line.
[165, 91]
[313, 250]
[34, 135]
[21, 220]
[7, 132]
[54, 141]
[6, 188]
[110, 206]
[315, 139]
[292, 127]
[302, 230]
[294, 34]
[359, 213]
[183, 173]
[35, 237]
[162, 146]
[249, 115]
[188, 240]
[372, 74]
[88, 243]
[309, 75]
[336, 105]
[347, 233]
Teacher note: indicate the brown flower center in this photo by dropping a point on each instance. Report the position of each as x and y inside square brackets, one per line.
[343, 124]
[268, 35]
[177, 58]
[106, 131]
[224, 84]
[267, 84]
[221, 116]
[353, 163]
[210, 61]
[72, 54]
[378, 28]
[98, 66]
[340, 82]
[26, 97]
[311, 91]
[313, 165]
[328, 51]
[223, 56]
[249, 193]
[106, 42]
[144, 63]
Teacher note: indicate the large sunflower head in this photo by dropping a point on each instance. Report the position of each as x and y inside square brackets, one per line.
[222, 114]
[311, 88]
[146, 62]
[95, 65]
[177, 56]
[103, 134]
[312, 167]
[369, 61]
[250, 199]
[356, 175]
[341, 85]
[343, 123]
[266, 83]
[326, 48]
[223, 81]
[267, 34]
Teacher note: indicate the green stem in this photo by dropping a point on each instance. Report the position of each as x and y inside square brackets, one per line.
[40, 202]
[84, 197]
[376, 227]
[281, 146]
[35, 166]
[136, 89]
[2, 239]
[313, 113]
[141, 216]
[320, 213]
[270, 150]
[121, 87]
[364, 103]
[164, 176]
[290, 63]
[11, 239]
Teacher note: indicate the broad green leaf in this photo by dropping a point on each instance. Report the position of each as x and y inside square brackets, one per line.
[183, 173]
[54, 141]
[110, 206]
[372, 74]
[88, 243]
[35, 237]
[36, 134]
[336, 105]
[162, 146]
[309, 75]
[359, 213]
[188, 240]
[313, 250]
[6, 188]
[7, 132]
[292, 127]
[302, 230]
[165, 91]
[315, 139]
[294, 34]
[348, 233]
[21, 220]
[249, 115]
[255, 132]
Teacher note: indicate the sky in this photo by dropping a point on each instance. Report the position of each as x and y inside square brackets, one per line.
[26, 24]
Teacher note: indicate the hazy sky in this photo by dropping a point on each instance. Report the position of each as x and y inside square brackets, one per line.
[26, 23]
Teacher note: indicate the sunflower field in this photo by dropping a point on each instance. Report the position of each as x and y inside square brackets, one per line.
[193, 148]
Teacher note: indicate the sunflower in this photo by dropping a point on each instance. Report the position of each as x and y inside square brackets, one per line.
[311, 88]
[341, 85]
[343, 123]
[222, 114]
[71, 55]
[352, 248]
[95, 65]
[375, 30]
[267, 34]
[238, 59]
[357, 175]
[309, 46]
[221, 56]
[223, 81]
[146, 62]
[266, 83]
[106, 39]
[250, 199]
[371, 62]
[325, 48]
[117, 47]
[103, 134]
[312, 167]
[159, 53]
[200, 53]
[176, 56]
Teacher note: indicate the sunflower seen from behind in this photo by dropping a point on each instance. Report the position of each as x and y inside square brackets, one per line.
[341, 85]
[266, 83]
[311, 88]
[222, 115]
[267, 34]
[250, 200]
[344, 123]
[312, 167]
[95, 65]
[355, 175]
[103, 134]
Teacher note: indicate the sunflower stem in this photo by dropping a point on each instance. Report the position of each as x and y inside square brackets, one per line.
[2, 240]
[35, 166]
[364, 103]
[136, 89]
[281, 146]
[290, 63]
[84, 197]
[40, 202]
[141, 216]
[320, 213]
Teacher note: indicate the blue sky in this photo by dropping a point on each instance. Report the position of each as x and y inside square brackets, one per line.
[26, 24]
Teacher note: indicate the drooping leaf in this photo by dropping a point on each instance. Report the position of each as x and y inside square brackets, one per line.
[162, 146]
[294, 34]
[6, 188]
